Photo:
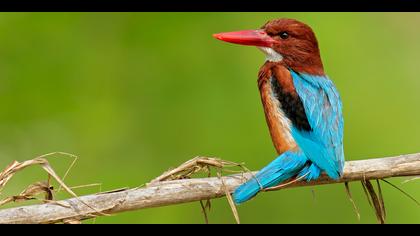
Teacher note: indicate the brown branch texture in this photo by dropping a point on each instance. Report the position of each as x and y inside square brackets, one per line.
[170, 192]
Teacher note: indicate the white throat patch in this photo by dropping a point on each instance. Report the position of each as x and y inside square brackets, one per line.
[271, 55]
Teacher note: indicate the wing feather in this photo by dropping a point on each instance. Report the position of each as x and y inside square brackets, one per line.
[323, 145]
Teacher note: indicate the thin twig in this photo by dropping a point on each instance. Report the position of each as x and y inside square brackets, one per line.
[402, 191]
[351, 200]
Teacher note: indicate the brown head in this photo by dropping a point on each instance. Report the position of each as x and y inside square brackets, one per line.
[285, 41]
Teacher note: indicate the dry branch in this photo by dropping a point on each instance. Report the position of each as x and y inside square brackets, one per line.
[172, 192]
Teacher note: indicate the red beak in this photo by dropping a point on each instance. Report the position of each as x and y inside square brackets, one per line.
[247, 37]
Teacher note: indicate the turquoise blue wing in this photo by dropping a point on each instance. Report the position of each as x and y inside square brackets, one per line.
[323, 144]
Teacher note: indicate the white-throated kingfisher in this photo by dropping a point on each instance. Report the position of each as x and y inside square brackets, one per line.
[302, 107]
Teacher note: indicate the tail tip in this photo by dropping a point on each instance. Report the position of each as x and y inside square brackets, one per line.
[243, 193]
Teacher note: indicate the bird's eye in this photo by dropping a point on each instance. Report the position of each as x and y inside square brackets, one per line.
[284, 35]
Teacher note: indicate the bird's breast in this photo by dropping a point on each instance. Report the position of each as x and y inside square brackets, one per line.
[278, 122]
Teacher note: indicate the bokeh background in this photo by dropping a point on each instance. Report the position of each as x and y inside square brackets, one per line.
[133, 94]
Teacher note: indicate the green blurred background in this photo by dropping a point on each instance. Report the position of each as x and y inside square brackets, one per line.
[133, 94]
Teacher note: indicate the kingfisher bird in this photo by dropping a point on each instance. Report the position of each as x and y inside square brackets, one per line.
[302, 106]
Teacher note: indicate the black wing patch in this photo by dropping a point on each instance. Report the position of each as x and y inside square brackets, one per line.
[291, 105]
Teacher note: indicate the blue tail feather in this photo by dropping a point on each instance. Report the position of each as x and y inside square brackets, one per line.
[310, 171]
[284, 167]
